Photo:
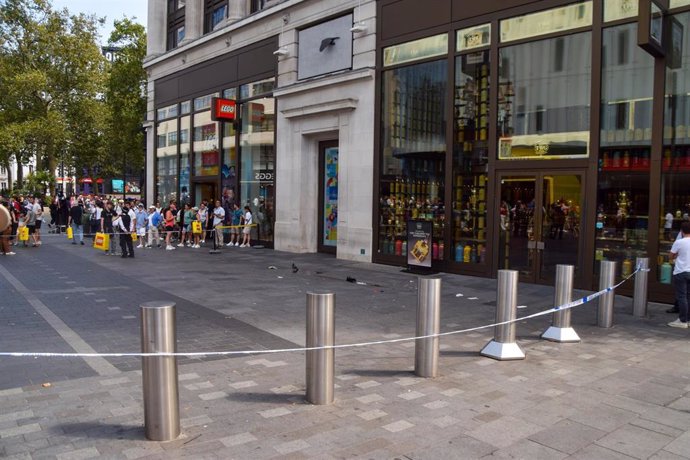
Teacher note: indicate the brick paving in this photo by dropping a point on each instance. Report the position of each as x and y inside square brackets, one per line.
[621, 393]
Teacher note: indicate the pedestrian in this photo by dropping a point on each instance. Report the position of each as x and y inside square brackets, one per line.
[680, 252]
[186, 218]
[246, 231]
[7, 232]
[125, 225]
[169, 214]
[218, 218]
[107, 216]
[235, 225]
[154, 220]
[38, 210]
[193, 217]
[95, 223]
[30, 222]
[14, 209]
[202, 217]
[142, 221]
[76, 216]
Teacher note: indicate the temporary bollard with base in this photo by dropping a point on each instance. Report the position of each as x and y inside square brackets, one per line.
[640, 294]
[428, 323]
[503, 347]
[607, 278]
[320, 333]
[560, 330]
[161, 399]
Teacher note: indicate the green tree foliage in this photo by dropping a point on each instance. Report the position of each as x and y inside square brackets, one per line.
[126, 100]
[52, 75]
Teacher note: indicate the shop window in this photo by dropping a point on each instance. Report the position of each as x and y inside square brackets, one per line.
[679, 3]
[622, 220]
[206, 148]
[257, 154]
[675, 162]
[546, 22]
[166, 112]
[185, 166]
[176, 14]
[229, 167]
[166, 162]
[257, 88]
[470, 158]
[413, 157]
[542, 115]
[185, 107]
[215, 12]
[415, 50]
[203, 102]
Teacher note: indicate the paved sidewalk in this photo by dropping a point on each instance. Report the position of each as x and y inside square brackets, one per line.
[622, 393]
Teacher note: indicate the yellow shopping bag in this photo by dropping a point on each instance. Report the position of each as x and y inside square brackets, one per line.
[134, 236]
[196, 227]
[24, 234]
[102, 241]
[70, 233]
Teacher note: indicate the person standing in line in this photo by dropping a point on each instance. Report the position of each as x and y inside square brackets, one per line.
[202, 216]
[5, 234]
[236, 218]
[30, 223]
[154, 220]
[169, 224]
[247, 230]
[76, 214]
[15, 211]
[680, 253]
[218, 218]
[38, 210]
[125, 224]
[142, 221]
[107, 216]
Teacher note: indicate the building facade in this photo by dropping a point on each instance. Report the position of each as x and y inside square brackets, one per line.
[527, 133]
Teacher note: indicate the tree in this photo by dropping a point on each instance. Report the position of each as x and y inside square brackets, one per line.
[125, 98]
[51, 72]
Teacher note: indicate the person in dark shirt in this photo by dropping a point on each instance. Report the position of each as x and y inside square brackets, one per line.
[107, 226]
[76, 213]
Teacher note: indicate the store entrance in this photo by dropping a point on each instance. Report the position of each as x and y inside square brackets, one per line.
[328, 197]
[205, 191]
[539, 225]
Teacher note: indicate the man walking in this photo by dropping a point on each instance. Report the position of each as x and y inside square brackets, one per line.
[680, 252]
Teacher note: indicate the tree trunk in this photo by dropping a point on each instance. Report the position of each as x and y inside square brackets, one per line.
[20, 172]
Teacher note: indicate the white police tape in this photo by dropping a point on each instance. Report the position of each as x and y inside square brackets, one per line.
[200, 354]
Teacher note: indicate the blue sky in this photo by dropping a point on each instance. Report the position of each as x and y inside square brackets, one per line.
[110, 9]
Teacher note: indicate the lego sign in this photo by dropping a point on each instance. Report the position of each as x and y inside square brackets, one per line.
[223, 109]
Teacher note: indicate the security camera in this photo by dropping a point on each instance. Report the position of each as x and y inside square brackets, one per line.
[358, 28]
[282, 51]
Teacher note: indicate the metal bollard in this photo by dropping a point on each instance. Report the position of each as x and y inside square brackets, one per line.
[503, 347]
[640, 294]
[159, 373]
[607, 278]
[428, 323]
[320, 333]
[560, 330]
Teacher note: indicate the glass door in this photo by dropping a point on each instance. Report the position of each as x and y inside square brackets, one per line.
[539, 225]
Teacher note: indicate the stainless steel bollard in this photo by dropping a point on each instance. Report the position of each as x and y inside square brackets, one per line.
[503, 346]
[428, 323]
[607, 278]
[560, 330]
[320, 333]
[640, 294]
[159, 373]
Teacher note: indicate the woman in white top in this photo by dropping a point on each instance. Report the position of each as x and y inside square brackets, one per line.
[246, 231]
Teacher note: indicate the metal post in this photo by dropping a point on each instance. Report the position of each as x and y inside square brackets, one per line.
[428, 323]
[503, 346]
[607, 278]
[161, 398]
[560, 330]
[320, 333]
[640, 295]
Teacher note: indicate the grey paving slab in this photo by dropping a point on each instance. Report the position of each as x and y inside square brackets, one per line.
[635, 441]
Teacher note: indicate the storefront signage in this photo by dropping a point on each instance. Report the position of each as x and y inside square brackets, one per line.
[266, 176]
[650, 26]
[419, 235]
[473, 37]
[223, 109]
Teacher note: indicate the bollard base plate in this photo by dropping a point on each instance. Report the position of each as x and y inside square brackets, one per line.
[561, 334]
[503, 351]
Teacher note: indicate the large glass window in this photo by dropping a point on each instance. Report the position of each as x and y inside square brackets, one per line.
[544, 98]
[675, 163]
[206, 148]
[470, 157]
[626, 121]
[166, 161]
[215, 12]
[176, 12]
[257, 182]
[414, 151]
[185, 164]
[229, 169]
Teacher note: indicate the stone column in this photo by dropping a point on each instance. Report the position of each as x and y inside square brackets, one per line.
[238, 9]
[193, 20]
[156, 30]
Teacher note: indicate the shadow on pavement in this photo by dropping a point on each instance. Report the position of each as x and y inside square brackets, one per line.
[268, 398]
[380, 372]
[458, 353]
[102, 430]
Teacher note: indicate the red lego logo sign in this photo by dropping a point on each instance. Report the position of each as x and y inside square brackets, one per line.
[223, 109]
